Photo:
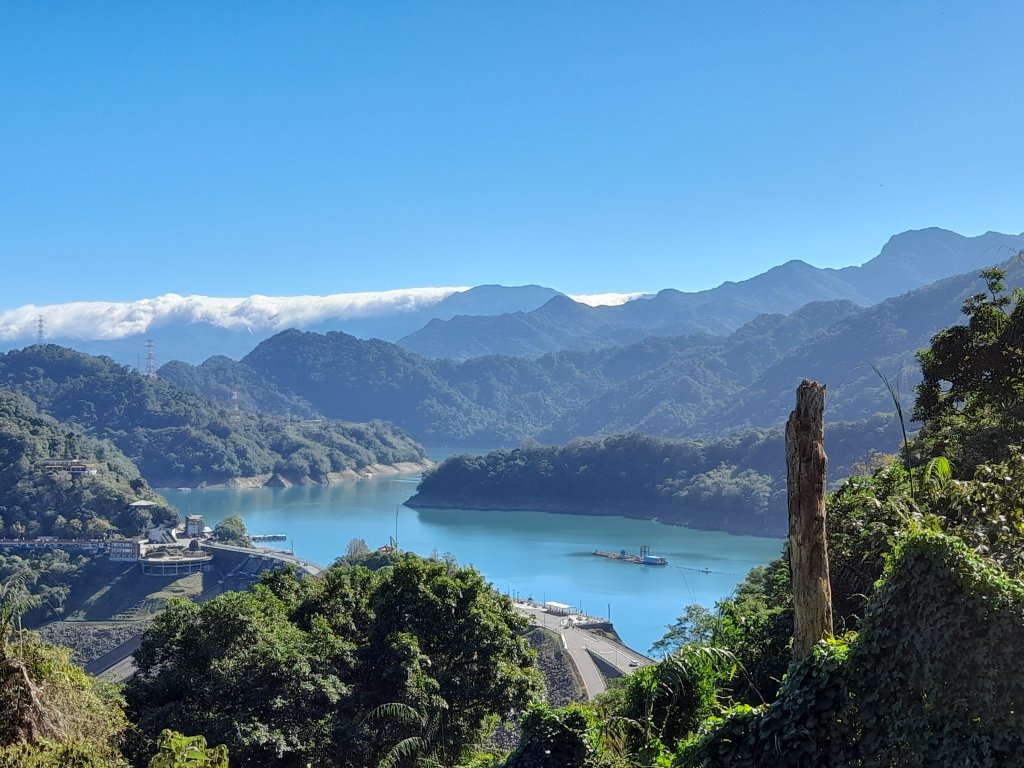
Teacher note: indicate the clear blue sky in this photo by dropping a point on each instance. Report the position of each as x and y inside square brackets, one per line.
[230, 148]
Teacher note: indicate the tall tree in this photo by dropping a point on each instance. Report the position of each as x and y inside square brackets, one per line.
[971, 397]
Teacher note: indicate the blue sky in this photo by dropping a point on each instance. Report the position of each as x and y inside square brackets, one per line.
[306, 148]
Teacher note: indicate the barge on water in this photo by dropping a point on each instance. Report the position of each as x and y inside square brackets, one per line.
[268, 537]
[644, 558]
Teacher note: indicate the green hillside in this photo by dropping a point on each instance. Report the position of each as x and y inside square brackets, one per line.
[40, 501]
[178, 436]
[685, 386]
[735, 484]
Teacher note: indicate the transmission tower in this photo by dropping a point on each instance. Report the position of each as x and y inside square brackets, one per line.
[236, 413]
[40, 330]
[150, 360]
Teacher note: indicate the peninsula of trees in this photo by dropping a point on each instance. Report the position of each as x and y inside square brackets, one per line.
[735, 484]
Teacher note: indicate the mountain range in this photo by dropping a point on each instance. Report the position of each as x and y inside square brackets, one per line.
[461, 323]
[909, 260]
[179, 437]
[698, 385]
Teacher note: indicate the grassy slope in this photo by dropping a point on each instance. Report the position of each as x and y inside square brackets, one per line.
[113, 601]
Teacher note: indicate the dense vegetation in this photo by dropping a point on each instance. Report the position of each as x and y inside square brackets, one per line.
[52, 715]
[414, 659]
[36, 501]
[37, 584]
[735, 484]
[411, 664]
[178, 437]
[231, 530]
[919, 680]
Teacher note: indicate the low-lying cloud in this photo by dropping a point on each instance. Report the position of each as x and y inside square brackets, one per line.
[108, 320]
[605, 299]
[111, 320]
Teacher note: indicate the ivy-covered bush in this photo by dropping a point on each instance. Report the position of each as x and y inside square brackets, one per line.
[933, 679]
[554, 738]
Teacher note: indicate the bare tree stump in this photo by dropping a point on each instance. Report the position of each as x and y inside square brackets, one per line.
[806, 464]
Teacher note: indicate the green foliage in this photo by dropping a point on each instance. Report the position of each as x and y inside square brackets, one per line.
[679, 481]
[646, 714]
[696, 627]
[555, 738]
[38, 582]
[178, 751]
[232, 530]
[754, 625]
[932, 678]
[971, 397]
[50, 710]
[287, 673]
[48, 754]
[40, 502]
[180, 437]
[735, 484]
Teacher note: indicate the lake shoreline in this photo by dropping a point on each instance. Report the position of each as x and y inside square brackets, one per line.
[276, 480]
[546, 556]
[565, 509]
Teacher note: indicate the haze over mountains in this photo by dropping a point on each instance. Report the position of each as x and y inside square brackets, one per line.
[909, 260]
[527, 320]
[698, 385]
[673, 365]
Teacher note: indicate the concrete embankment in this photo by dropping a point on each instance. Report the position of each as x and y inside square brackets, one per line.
[596, 658]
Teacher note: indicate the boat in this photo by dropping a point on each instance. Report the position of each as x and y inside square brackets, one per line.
[644, 558]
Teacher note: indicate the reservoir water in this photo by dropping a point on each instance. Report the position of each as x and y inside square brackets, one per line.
[527, 554]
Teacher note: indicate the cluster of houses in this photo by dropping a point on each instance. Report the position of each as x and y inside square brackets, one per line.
[163, 551]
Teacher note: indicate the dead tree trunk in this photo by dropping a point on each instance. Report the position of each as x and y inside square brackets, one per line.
[808, 554]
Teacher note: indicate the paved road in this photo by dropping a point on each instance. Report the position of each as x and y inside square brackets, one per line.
[277, 554]
[580, 644]
[593, 681]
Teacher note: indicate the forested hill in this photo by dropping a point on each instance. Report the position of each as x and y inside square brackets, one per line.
[39, 501]
[735, 484]
[499, 400]
[700, 385]
[180, 437]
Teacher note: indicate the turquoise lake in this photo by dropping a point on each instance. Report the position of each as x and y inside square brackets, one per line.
[527, 554]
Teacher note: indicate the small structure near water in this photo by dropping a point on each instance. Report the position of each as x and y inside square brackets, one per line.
[268, 537]
[645, 557]
[559, 609]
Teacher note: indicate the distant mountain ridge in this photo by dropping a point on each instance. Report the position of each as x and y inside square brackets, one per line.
[489, 319]
[909, 260]
[193, 328]
[700, 385]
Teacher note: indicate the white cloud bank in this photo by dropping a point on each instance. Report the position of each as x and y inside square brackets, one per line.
[109, 320]
[106, 320]
[605, 299]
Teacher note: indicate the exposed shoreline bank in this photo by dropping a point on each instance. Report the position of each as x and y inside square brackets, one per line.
[272, 480]
[566, 509]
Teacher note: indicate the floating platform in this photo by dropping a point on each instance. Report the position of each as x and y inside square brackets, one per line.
[644, 558]
[268, 537]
